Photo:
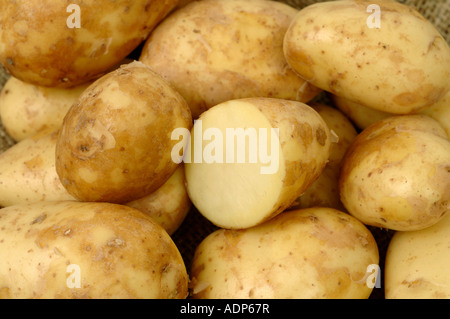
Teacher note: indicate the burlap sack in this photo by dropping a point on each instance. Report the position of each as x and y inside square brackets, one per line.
[195, 227]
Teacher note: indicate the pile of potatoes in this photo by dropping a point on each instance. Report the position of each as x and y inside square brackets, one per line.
[294, 132]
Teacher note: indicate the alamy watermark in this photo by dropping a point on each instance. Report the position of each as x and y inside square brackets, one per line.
[74, 279]
[372, 277]
[374, 20]
[213, 145]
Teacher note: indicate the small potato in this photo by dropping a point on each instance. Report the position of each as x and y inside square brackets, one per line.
[69, 249]
[26, 109]
[440, 111]
[315, 253]
[324, 192]
[67, 43]
[362, 116]
[27, 171]
[396, 174]
[169, 204]
[115, 142]
[400, 67]
[249, 159]
[417, 263]
[213, 51]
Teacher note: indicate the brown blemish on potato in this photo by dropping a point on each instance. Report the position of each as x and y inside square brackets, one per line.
[321, 136]
[35, 163]
[301, 62]
[67, 55]
[39, 219]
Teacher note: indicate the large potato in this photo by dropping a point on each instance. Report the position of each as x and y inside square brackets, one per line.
[28, 174]
[324, 192]
[311, 253]
[212, 51]
[41, 43]
[69, 249]
[26, 109]
[27, 171]
[249, 159]
[169, 204]
[400, 67]
[417, 263]
[115, 142]
[396, 174]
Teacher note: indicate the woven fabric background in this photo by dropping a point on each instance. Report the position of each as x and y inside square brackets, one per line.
[195, 227]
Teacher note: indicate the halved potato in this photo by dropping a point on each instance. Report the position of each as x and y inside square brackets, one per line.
[249, 159]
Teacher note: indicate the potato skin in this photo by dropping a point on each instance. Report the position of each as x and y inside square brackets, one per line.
[364, 116]
[27, 171]
[169, 204]
[440, 111]
[359, 114]
[120, 252]
[399, 68]
[38, 47]
[396, 174]
[115, 143]
[417, 263]
[310, 253]
[26, 109]
[213, 51]
[324, 192]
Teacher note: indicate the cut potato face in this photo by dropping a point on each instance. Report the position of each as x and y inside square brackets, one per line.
[115, 142]
[69, 249]
[212, 51]
[311, 253]
[248, 159]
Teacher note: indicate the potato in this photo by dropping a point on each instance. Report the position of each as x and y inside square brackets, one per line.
[417, 263]
[26, 109]
[324, 192]
[400, 67]
[440, 111]
[249, 159]
[115, 142]
[312, 253]
[213, 51]
[169, 204]
[49, 47]
[27, 171]
[69, 249]
[362, 116]
[396, 174]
